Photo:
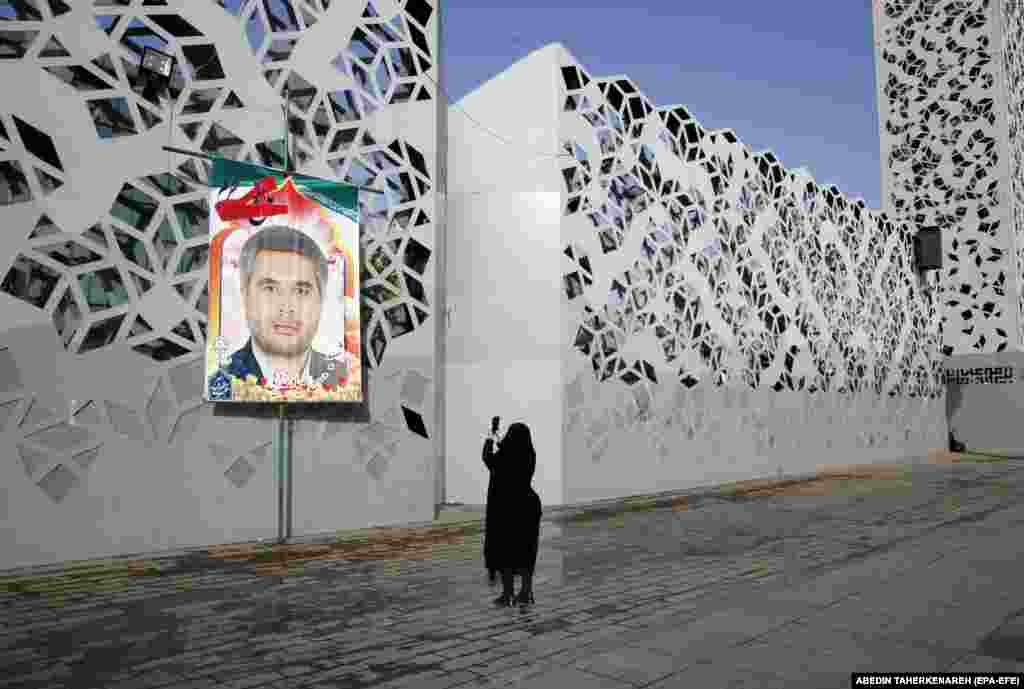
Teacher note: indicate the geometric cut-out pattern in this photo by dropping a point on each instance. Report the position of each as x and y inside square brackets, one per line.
[10, 377]
[377, 466]
[240, 472]
[9, 413]
[126, 421]
[1011, 24]
[93, 285]
[32, 459]
[745, 273]
[58, 482]
[952, 108]
[55, 454]
[60, 438]
[30, 166]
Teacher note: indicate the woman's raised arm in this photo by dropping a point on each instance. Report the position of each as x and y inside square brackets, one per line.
[489, 454]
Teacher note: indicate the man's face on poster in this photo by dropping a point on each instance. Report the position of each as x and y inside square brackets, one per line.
[283, 302]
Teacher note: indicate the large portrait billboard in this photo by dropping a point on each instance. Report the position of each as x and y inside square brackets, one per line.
[284, 288]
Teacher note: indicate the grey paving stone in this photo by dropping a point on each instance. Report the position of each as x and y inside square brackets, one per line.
[632, 664]
[722, 676]
[1007, 640]
[467, 662]
[864, 615]
[953, 627]
[427, 680]
[799, 651]
[704, 637]
[461, 678]
[194, 683]
[467, 647]
[296, 670]
[540, 648]
[982, 663]
[325, 674]
[785, 604]
[253, 680]
[299, 683]
[511, 665]
[486, 683]
[570, 678]
[426, 659]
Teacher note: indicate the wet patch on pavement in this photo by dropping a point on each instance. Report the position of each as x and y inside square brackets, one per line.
[1007, 641]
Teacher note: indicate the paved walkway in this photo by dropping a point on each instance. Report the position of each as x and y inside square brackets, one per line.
[916, 570]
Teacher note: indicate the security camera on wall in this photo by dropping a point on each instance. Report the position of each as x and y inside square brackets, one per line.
[158, 63]
[156, 68]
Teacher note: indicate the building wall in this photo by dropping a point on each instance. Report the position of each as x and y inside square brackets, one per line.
[503, 345]
[725, 318]
[985, 393]
[950, 132]
[105, 444]
[1011, 32]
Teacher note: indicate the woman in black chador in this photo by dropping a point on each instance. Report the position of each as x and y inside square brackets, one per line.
[513, 513]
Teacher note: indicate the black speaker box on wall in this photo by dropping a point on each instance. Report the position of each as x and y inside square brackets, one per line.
[928, 249]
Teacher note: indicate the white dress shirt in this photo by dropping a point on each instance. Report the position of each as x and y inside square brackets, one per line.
[265, 362]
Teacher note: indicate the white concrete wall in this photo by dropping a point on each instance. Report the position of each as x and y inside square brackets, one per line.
[695, 375]
[709, 435]
[111, 451]
[502, 345]
[985, 396]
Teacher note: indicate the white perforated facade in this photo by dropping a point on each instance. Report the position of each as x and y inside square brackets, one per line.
[105, 443]
[951, 105]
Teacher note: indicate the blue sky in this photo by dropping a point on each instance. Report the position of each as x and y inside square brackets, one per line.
[793, 76]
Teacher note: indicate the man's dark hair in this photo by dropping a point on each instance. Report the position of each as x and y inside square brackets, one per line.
[282, 238]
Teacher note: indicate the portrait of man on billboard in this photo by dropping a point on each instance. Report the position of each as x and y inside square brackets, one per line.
[283, 277]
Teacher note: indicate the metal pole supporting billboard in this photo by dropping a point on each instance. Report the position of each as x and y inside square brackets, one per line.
[289, 494]
[284, 496]
[279, 473]
[282, 464]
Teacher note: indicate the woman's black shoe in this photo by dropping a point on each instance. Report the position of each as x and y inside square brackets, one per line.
[503, 601]
[524, 600]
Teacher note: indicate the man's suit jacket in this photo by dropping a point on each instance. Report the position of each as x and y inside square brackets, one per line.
[244, 363]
